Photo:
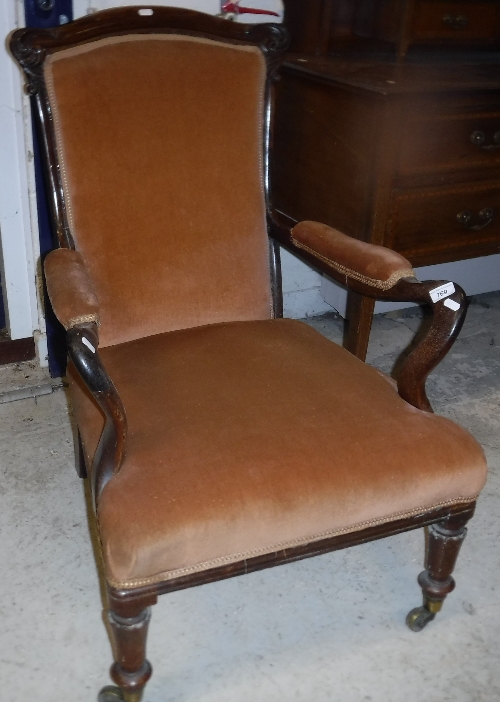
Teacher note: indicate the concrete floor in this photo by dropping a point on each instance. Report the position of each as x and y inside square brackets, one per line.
[326, 629]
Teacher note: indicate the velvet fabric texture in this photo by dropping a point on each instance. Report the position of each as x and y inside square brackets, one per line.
[160, 141]
[246, 438]
[368, 263]
[71, 292]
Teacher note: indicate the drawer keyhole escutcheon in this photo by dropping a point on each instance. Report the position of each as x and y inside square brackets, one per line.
[456, 21]
[478, 138]
[486, 216]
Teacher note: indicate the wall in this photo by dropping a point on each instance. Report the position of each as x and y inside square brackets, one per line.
[82, 7]
[212, 7]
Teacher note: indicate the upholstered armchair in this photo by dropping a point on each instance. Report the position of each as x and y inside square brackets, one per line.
[218, 437]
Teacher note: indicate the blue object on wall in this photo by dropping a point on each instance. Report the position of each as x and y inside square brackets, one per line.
[48, 13]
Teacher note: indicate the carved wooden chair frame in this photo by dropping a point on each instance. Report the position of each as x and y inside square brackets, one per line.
[129, 610]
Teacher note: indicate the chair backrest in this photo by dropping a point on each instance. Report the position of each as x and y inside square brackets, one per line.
[160, 141]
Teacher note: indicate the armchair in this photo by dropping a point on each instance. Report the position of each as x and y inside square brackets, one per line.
[219, 438]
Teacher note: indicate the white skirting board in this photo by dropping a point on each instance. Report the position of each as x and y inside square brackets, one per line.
[475, 275]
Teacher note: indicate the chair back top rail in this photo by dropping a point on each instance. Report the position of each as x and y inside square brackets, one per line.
[31, 47]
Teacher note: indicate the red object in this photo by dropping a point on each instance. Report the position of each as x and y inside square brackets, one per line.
[235, 7]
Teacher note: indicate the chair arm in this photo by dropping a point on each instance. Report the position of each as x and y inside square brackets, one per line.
[373, 265]
[70, 289]
[380, 273]
[76, 306]
[82, 343]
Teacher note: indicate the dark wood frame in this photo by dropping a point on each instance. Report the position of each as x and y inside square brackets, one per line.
[128, 614]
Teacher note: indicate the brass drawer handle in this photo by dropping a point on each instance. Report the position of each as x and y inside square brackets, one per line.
[456, 21]
[486, 216]
[478, 138]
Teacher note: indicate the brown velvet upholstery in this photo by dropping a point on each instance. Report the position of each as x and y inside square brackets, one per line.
[70, 289]
[374, 265]
[250, 437]
[165, 204]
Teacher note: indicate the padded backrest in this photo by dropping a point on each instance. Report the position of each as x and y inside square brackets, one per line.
[160, 141]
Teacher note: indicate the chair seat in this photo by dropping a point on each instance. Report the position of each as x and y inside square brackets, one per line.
[249, 437]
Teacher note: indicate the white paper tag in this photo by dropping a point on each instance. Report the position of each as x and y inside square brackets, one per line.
[443, 291]
[452, 305]
[88, 344]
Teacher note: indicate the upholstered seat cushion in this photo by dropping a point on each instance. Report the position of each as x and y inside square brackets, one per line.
[249, 437]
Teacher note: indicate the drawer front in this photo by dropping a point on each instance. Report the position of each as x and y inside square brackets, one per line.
[460, 21]
[450, 142]
[445, 223]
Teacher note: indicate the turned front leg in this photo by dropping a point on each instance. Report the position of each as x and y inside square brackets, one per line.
[131, 670]
[445, 539]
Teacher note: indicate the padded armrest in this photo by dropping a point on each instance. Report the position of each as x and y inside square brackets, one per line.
[70, 289]
[382, 274]
[370, 264]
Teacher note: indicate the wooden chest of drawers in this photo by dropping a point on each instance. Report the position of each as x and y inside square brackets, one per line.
[454, 21]
[324, 27]
[404, 155]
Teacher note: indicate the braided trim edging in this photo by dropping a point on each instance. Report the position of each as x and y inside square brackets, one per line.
[83, 319]
[374, 282]
[224, 560]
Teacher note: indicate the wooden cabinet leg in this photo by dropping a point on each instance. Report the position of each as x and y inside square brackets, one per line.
[445, 540]
[359, 323]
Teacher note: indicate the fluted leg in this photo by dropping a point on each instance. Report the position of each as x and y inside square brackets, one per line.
[131, 670]
[445, 540]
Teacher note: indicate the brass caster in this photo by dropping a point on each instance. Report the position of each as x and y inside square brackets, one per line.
[110, 693]
[418, 618]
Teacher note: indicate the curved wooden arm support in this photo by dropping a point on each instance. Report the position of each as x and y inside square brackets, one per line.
[111, 448]
[444, 329]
